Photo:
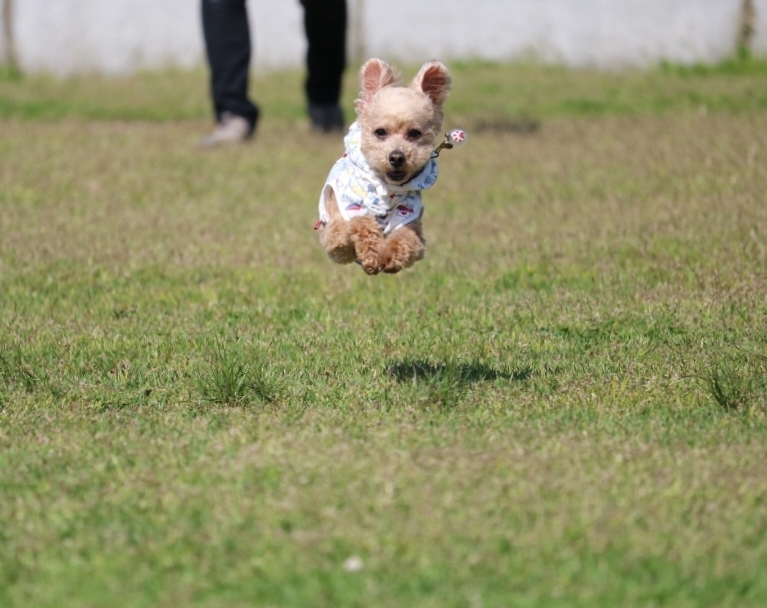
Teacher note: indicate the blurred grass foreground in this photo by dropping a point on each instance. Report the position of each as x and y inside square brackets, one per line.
[563, 405]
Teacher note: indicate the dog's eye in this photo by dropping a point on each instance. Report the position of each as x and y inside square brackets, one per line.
[413, 134]
[380, 133]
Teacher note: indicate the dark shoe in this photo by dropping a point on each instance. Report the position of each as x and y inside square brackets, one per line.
[326, 117]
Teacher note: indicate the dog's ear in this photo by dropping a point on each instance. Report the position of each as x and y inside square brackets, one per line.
[374, 75]
[433, 79]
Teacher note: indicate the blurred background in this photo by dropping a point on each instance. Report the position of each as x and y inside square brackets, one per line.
[124, 36]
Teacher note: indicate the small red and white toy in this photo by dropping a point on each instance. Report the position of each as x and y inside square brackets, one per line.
[453, 139]
[457, 137]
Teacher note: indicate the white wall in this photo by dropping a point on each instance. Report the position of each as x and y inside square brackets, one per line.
[120, 36]
[3, 39]
[604, 33]
[112, 36]
[759, 41]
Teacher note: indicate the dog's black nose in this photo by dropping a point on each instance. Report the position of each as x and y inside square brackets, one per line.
[396, 159]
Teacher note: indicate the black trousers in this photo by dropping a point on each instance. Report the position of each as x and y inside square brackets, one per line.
[228, 47]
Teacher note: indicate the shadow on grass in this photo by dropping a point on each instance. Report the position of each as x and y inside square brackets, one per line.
[409, 370]
[446, 384]
[739, 383]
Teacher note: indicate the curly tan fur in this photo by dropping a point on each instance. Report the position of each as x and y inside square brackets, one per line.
[360, 239]
[402, 248]
[336, 237]
[348, 241]
[389, 115]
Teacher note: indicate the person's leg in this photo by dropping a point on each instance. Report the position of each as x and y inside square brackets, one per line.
[325, 25]
[227, 43]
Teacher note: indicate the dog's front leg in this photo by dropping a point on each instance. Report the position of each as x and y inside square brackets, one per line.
[402, 248]
[336, 236]
[336, 239]
[366, 235]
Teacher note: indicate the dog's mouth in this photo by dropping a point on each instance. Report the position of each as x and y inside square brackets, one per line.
[396, 177]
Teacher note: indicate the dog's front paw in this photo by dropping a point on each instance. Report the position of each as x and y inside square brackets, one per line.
[397, 253]
[389, 264]
[369, 264]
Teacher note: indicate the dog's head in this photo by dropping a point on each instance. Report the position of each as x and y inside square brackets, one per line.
[400, 125]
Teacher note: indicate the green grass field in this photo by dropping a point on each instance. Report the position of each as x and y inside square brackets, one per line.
[565, 404]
